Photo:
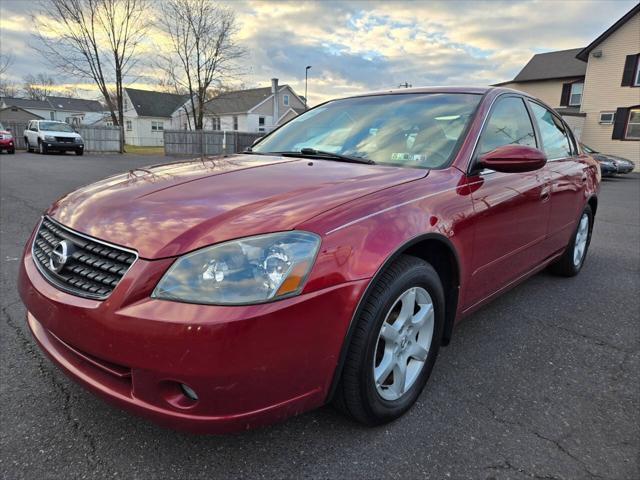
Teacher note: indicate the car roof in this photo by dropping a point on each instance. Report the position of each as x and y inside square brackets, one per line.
[436, 89]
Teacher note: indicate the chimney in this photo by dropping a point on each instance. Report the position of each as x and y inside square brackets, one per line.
[274, 92]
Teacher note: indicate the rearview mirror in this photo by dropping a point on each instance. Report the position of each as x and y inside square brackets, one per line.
[513, 159]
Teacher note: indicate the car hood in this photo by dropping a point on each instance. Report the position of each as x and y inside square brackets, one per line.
[55, 133]
[170, 209]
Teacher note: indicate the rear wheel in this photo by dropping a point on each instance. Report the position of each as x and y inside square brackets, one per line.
[395, 343]
[572, 260]
[42, 147]
[26, 142]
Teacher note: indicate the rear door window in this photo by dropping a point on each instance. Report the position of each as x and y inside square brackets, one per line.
[508, 124]
[555, 139]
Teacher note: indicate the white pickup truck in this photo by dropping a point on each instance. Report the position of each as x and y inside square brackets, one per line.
[46, 136]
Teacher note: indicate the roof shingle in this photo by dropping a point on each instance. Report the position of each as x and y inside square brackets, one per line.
[148, 103]
[546, 66]
[238, 101]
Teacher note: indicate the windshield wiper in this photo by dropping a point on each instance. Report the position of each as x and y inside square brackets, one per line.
[312, 152]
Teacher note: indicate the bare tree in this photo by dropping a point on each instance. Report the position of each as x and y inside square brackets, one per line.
[8, 88]
[6, 61]
[37, 87]
[97, 40]
[202, 51]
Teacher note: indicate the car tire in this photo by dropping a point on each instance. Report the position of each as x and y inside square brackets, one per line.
[362, 392]
[572, 260]
[12, 151]
[79, 152]
[42, 149]
[26, 142]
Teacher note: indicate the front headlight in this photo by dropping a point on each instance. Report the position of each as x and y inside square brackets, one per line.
[249, 270]
[78, 140]
[49, 138]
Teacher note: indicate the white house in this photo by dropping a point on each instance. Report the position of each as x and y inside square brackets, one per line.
[74, 111]
[147, 114]
[252, 110]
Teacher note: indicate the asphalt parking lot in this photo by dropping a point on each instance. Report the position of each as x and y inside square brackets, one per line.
[542, 383]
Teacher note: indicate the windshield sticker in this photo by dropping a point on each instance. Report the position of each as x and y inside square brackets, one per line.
[408, 157]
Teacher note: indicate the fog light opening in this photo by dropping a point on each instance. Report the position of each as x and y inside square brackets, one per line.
[188, 392]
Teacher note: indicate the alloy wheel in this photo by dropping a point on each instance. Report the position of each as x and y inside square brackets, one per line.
[582, 236]
[403, 343]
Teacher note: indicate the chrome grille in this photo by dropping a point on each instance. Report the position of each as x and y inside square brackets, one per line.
[92, 268]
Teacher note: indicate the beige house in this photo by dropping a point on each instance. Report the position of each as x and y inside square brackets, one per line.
[612, 89]
[596, 89]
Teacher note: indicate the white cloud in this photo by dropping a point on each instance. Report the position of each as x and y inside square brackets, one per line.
[355, 46]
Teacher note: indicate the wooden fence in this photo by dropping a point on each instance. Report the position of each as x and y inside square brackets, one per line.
[96, 139]
[100, 139]
[189, 142]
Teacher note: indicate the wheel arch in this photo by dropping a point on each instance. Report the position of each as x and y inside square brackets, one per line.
[593, 203]
[437, 250]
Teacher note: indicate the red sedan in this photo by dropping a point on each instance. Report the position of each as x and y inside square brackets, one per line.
[6, 140]
[328, 263]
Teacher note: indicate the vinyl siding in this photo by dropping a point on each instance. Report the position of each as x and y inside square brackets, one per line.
[602, 91]
[549, 91]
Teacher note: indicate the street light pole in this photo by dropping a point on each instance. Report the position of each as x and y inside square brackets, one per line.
[306, 79]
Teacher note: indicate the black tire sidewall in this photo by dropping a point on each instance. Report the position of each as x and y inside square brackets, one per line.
[421, 275]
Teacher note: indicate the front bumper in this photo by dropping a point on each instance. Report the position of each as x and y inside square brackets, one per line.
[7, 144]
[249, 366]
[63, 145]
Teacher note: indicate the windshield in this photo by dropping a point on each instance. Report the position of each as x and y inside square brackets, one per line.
[55, 127]
[412, 130]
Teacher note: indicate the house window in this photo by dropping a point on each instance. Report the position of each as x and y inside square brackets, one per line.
[52, 115]
[606, 118]
[109, 123]
[157, 126]
[575, 98]
[129, 126]
[285, 100]
[126, 104]
[235, 123]
[216, 123]
[261, 121]
[633, 125]
[631, 72]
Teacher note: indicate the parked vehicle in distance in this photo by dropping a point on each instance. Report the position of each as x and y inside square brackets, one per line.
[45, 136]
[610, 164]
[6, 140]
[328, 263]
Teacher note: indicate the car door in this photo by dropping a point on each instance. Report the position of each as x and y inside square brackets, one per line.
[511, 209]
[32, 133]
[567, 174]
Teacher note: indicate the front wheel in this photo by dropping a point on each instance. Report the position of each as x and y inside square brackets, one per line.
[12, 151]
[572, 260]
[80, 152]
[395, 343]
[41, 147]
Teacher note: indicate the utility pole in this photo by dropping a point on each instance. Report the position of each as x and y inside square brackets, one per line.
[306, 79]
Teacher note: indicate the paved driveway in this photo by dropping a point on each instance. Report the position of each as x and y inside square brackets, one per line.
[541, 383]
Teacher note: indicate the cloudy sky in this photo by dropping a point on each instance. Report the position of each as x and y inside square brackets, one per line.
[355, 46]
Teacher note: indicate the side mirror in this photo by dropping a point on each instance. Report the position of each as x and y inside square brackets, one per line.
[513, 159]
[256, 141]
